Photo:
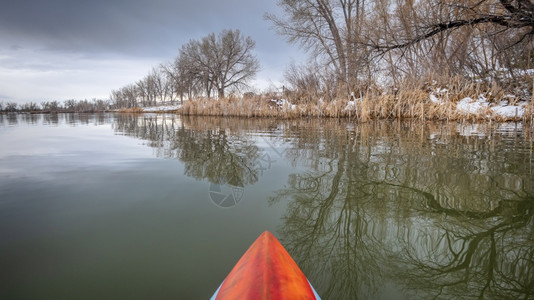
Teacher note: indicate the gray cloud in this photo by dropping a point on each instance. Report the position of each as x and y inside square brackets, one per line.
[131, 27]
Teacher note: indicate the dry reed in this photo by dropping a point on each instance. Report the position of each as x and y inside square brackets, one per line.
[131, 110]
[411, 102]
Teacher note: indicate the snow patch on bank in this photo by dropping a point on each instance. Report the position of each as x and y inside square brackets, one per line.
[439, 96]
[470, 106]
[509, 111]
[162, 108]
[481, 105]
[284, 104]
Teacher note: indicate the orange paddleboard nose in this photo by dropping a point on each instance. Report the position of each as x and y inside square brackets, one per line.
[266, 271]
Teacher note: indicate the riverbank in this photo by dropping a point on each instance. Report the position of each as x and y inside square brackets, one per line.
[436, 105]
[407, 106]
[153, 109]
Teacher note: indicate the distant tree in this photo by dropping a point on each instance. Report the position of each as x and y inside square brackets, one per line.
[115, 97]
[126, 97]
[144, 89]
[193, 72]
[160, 85]
[100, 105]
[221, 61]
[84, 106]
[29, 107]
[156, 87]
[214, 64]
[11, 106]
[70, 105]
[51, 106]
[183, 78]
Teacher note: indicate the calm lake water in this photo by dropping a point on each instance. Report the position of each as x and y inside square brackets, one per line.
[160, 206]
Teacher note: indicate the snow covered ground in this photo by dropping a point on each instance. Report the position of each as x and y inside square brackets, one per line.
[481, 105]
[161, 108]
[472, 106]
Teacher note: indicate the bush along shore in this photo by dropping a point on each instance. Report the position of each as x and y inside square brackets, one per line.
[469, 103]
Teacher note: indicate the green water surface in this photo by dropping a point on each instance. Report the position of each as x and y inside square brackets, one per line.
[116, 206]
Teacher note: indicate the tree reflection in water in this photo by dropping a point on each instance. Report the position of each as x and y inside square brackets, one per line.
[425, 210]
[211, 148]
[421, 207]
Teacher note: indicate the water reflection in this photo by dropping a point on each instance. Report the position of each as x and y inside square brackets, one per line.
[32, 119]
[420, 210]
[423, 209]
[381, 210]
[212, 149]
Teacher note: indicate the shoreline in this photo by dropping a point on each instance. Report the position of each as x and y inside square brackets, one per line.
[386, 107]
[290, 115]
[360, 110]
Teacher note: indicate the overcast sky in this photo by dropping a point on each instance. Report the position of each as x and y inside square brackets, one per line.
[67, 49]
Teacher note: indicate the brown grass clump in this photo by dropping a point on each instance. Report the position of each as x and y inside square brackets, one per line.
[406, 104]
[131, 110]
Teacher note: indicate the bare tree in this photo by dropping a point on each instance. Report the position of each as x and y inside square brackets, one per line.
[125, 97]
[221, 61]
[143, 90]
[332, 30]
[29, 107]
[51, 106]
[308, 83]
[412, 39]
[483, 39]
[161, 85]
[197, 63]
[11, 106]
[183, 78]
[507, 15]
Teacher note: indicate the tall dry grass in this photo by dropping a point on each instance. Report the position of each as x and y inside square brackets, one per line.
[412, 101]
[131, 110]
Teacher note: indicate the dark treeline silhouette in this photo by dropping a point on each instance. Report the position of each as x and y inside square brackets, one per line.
[95, 105]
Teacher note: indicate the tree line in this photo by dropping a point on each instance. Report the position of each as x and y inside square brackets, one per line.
[209, 67]
[94, 105]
